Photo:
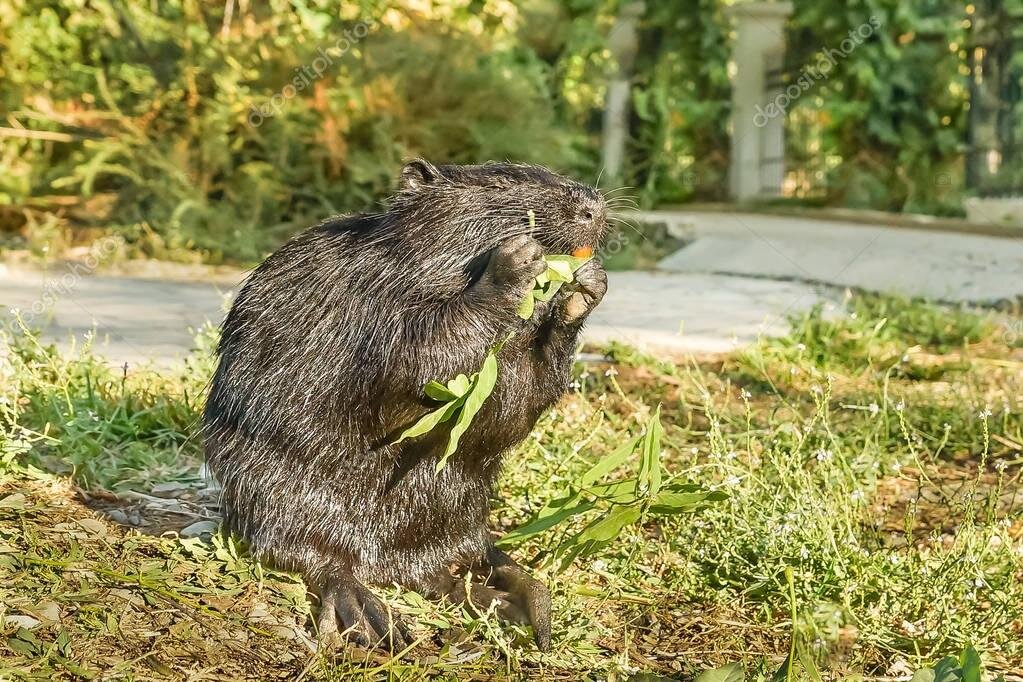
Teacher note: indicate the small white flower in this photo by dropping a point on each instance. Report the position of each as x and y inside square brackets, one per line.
[874, 408]
[611, 372]
[746, 395]
[900, 406]
[896, 467]
[804, 553]
[823, 455]
[905, 358]
[733, 481]
[1001, 465]
[575, 385]
[946, 426]
[910, 628]
[816, 389]
[984, 414]
[599, 565]
[800, 346]
[857, 496]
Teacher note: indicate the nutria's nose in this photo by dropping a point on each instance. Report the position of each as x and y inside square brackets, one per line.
[591, 210]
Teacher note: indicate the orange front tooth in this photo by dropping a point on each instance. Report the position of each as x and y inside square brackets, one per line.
[583, 252]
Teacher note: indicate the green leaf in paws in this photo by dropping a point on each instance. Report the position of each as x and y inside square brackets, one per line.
[560, 269]
[439, 391]
[482, 386]
[431, 420]
[462, 398]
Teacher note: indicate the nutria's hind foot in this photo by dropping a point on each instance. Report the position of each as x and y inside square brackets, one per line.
[480, 598]
[349, 612]
[529, 593]
[515, 595]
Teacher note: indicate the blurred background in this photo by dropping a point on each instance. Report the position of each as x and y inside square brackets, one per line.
[211, 131]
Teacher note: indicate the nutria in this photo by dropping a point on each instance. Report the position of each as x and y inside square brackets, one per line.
[322, 362]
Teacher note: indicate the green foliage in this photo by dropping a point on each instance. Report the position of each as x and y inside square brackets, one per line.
[624, 502]
[866, 520]
[881, 329]
[560, 270]
[187, 133]
[461, 399]
[891, 111]
[195, 136]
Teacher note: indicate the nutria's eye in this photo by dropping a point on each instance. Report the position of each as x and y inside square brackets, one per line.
[588, 215]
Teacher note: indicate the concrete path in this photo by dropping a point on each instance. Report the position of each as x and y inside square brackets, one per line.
[945, 266]
[739, 278]
[140, 320]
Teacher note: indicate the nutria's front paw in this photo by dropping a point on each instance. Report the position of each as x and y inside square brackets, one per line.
[582, 295]
[514, 265]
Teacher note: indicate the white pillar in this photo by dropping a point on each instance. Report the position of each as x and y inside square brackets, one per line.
[623, 42]
[757, 137]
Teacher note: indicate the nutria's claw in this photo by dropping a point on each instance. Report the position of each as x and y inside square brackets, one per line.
[350, 612]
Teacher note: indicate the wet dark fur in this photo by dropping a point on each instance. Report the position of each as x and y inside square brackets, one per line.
[326, 349]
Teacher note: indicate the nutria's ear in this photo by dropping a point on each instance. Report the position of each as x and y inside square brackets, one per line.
[416, 174]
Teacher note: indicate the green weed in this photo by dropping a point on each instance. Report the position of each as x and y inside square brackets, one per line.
[868, 520]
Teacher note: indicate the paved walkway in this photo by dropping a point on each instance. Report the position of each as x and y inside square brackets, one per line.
[739, 278]
[944, 266]
[137, 320]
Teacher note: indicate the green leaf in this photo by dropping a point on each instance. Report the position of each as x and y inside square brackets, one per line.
[619, 492]
[782, 673]
[559, 270]
[733, 672]
[547, 292]
[668, 503]
[460, 385]
[947, 670]
[439, 391]
[969, 661]
[573, 262]
[542, 523]
[430, 420]
[527, 306]
[609, 463]
[481, 389]
[650, 460]
[610, 524]
[809, 666]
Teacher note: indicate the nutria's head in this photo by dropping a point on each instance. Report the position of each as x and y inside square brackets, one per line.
[486, 204]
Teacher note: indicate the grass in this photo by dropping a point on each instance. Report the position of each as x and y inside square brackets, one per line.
[871, 461]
